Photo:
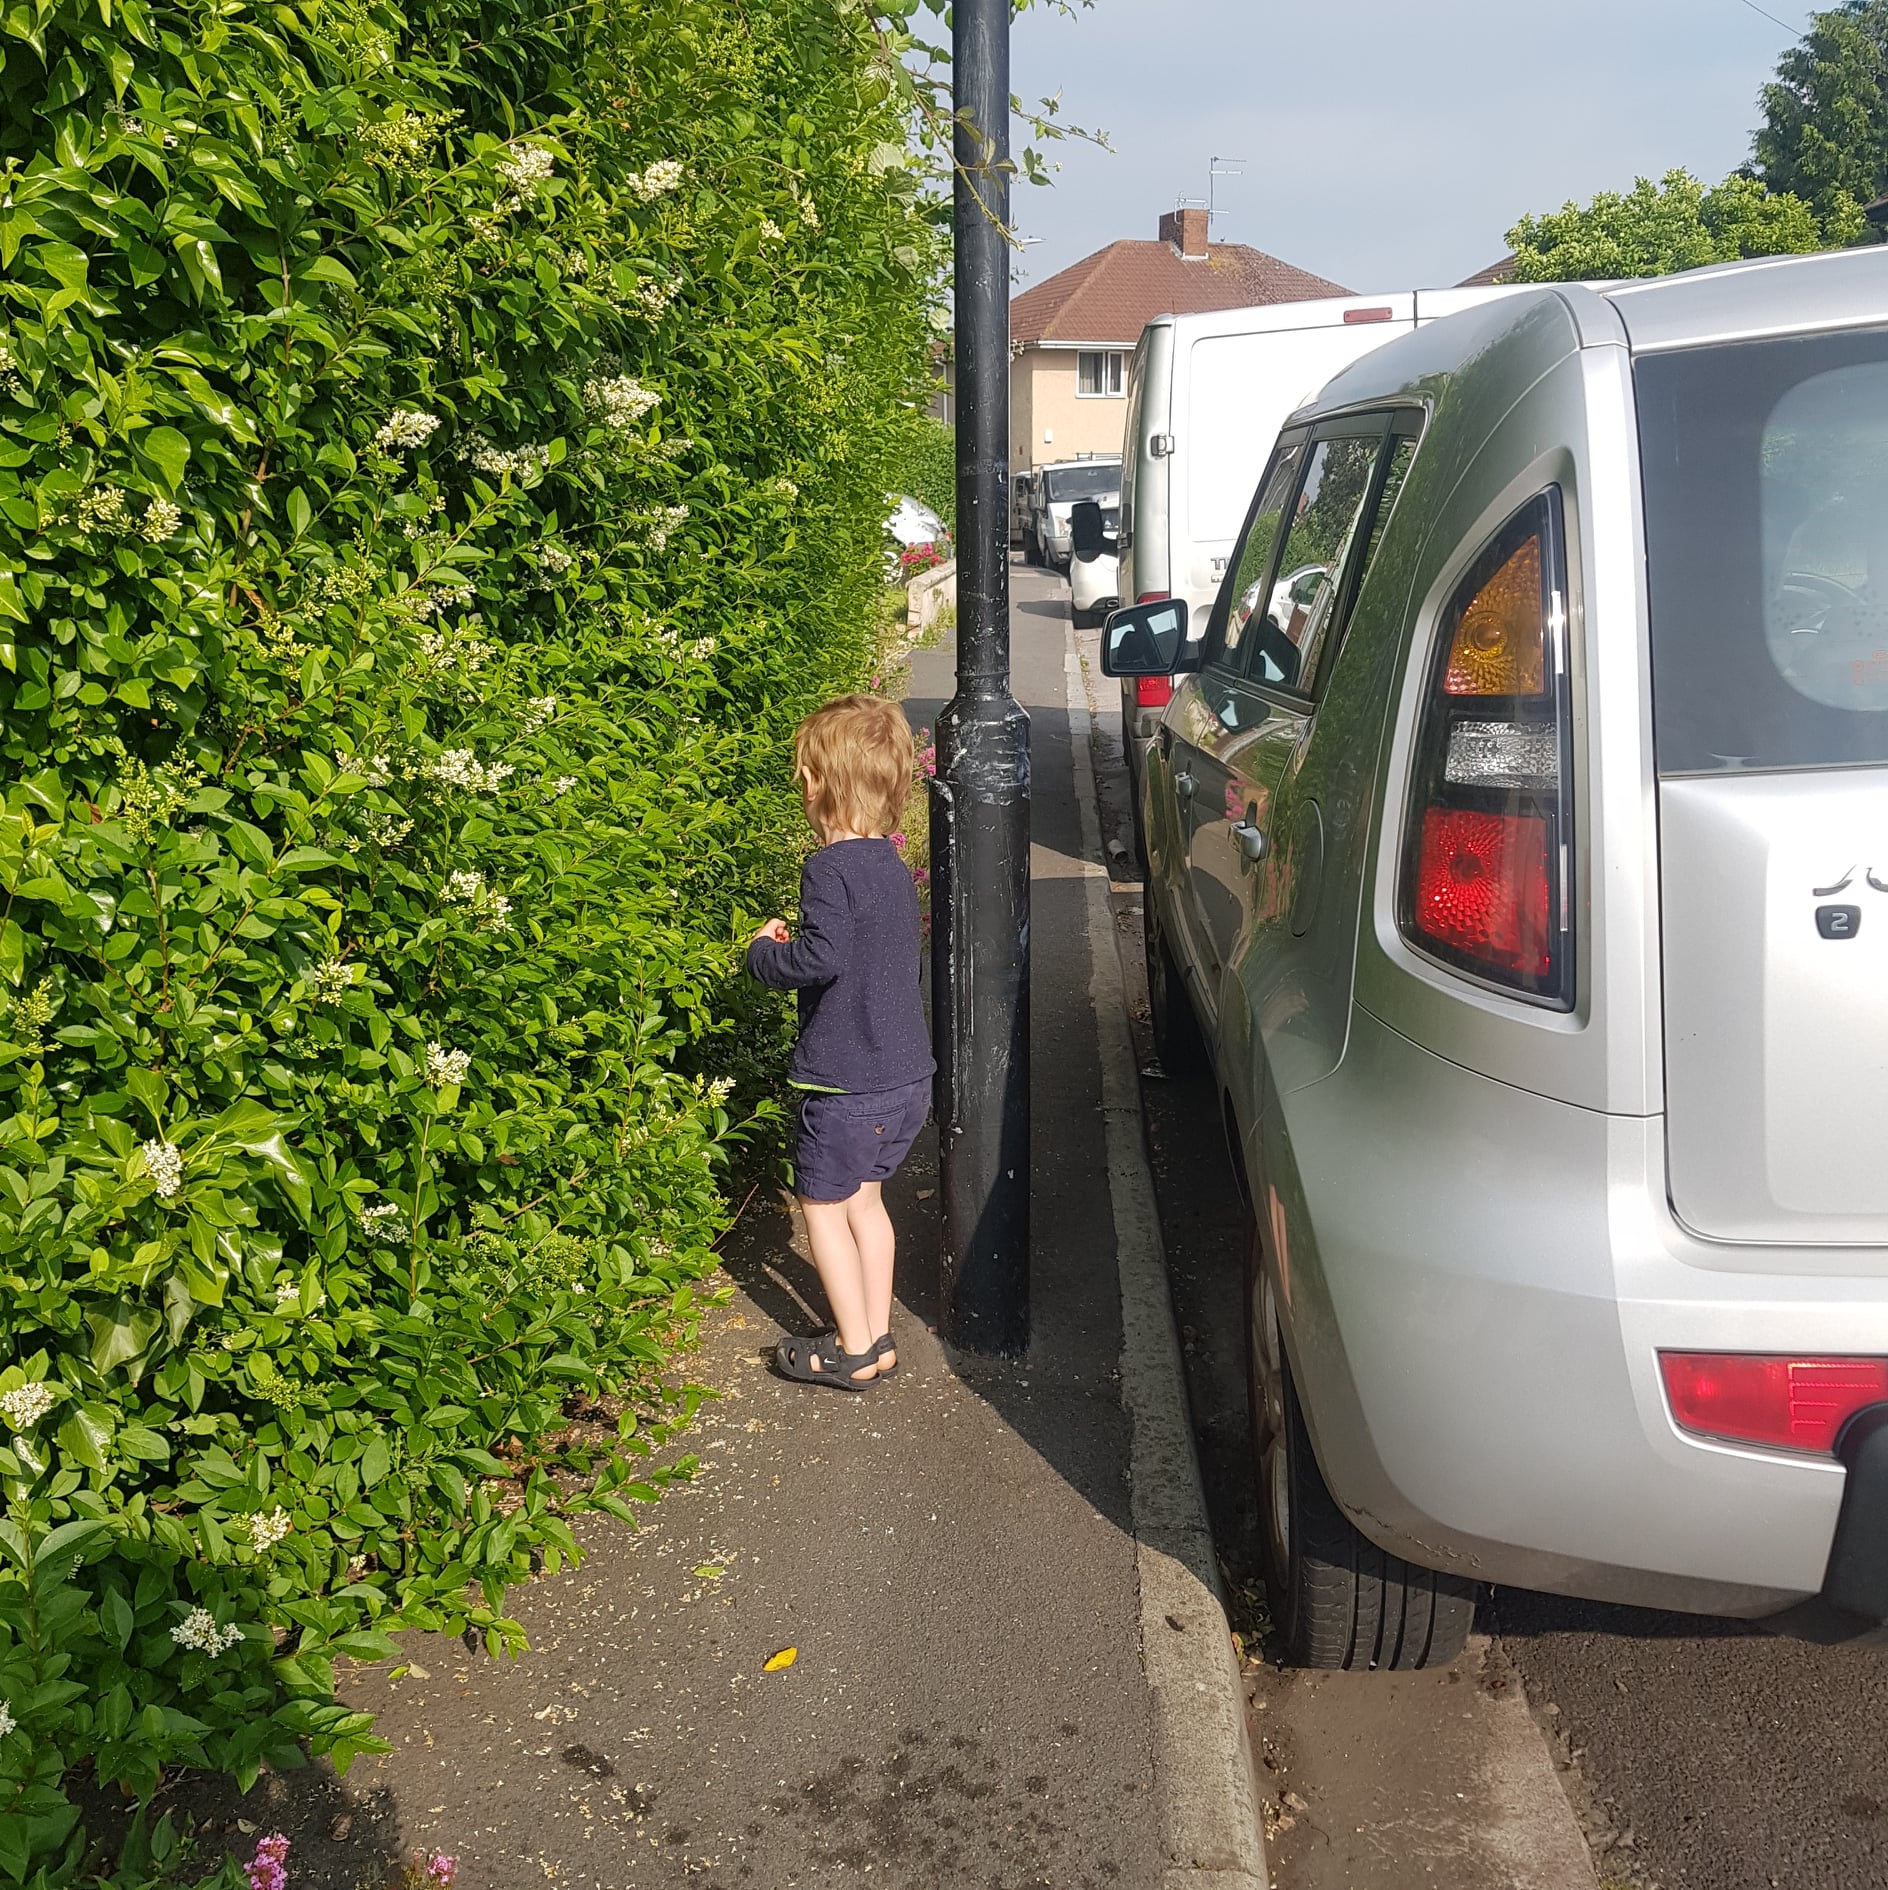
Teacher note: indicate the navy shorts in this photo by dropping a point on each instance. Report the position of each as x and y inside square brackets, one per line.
[846, 1141]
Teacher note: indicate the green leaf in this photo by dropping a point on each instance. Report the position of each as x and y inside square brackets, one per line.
[86, 1435]
[300, 513]
[168, 451]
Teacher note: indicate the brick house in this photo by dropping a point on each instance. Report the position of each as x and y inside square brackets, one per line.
[1070, 337]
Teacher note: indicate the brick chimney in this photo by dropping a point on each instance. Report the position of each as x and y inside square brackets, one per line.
[1186, 231]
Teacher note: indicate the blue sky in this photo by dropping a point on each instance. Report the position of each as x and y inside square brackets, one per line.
[1388, 143]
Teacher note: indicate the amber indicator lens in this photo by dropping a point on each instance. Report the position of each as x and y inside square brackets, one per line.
[1500, 646]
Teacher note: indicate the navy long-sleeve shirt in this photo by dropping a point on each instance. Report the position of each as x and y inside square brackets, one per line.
[854, 964]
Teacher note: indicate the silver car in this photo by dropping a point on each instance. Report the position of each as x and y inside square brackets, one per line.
[1523, 883]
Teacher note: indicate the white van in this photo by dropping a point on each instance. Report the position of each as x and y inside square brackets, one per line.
[1207, 395]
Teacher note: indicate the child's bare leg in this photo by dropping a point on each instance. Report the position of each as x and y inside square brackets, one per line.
[877, 1244]
[836, 1255]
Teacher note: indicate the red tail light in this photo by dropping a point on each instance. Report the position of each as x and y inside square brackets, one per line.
[1482, 887]
[1780, 1402]
[1153, 597]
[1152, 692]
[1485, 870]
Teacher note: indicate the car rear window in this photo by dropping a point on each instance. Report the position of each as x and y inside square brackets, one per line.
[1766, 496]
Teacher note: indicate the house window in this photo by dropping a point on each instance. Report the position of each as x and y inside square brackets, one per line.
[1099, 375]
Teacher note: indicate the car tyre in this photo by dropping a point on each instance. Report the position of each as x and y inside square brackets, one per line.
[1178, 1041]
[1337, 1600]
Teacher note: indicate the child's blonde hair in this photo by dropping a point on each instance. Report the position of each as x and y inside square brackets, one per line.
[859, 751]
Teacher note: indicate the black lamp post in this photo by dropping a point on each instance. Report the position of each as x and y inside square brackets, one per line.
[980, 802]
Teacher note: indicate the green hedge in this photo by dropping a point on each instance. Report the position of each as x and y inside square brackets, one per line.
[928, 469]
[442, 452]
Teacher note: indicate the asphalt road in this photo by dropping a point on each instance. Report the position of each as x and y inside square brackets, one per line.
[1704, 1755]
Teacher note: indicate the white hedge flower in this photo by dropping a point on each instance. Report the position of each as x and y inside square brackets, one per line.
[199, 1632]
[658, 180]
[378, 1223]
[164, 1163]
[333, 981]
[404, 427]
[520, 462]
[620, 401]
[161, 519]
[7, 1721]
[460, 768]
[669, 519]
[446, 1069]
[26, 1404]
[770, 230]
[266, 1531]
[563, 785]
[538, 711]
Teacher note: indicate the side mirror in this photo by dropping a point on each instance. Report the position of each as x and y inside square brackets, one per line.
[1085, 530]
[1145, 639]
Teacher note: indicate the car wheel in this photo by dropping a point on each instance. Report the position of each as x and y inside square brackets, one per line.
[1337, 1600]
[1177, 1039]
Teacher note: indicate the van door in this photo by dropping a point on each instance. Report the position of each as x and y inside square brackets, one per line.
[1209, 740]
[1765, 469]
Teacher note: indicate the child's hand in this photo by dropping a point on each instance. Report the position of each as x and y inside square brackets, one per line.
[775, 929]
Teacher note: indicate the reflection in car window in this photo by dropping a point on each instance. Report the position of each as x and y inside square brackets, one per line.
[1284, 648]
[1249, 570]
[1825, 539]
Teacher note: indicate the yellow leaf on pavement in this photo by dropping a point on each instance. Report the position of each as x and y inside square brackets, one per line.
[777, 1663]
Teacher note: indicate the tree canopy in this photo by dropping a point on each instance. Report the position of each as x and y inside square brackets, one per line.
[1677, 223]
[1824, 136]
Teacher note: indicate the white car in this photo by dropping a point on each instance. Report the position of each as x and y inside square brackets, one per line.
[1094, 589]
[912, 522]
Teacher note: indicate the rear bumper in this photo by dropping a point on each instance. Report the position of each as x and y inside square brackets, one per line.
[1478, 1282]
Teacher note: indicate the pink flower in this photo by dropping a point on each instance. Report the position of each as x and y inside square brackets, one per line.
[442, 1869]
[268, 1869]
[921, 875]
[897, 840]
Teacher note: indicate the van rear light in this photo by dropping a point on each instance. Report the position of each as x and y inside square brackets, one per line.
[1152, 692]
[1780, 1402]
[1355, 315]
[1484, 886]
[1153, 597]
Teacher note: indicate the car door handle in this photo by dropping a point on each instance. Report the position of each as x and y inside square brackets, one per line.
[1183, 785]
[1251, 841]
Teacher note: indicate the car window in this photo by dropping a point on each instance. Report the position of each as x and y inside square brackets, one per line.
[1285, 641]
[1101, 480]
[1766, 495]
[1252, 562]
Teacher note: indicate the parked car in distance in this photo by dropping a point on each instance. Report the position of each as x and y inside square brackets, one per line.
[1523, 885]
[911, 522]
[1206, 395]
[1057, 489]
[1093, 585]
[1022, 498]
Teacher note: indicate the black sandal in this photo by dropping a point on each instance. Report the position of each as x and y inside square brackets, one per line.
[879, 1348]
[794, 1358]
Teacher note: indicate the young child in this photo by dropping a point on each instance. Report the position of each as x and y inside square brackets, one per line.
[863, 1062]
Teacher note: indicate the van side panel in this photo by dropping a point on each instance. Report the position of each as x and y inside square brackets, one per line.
[1145, 492]
[1239, 389]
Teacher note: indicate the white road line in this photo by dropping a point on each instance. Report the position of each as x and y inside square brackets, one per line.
[1202, 1757]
